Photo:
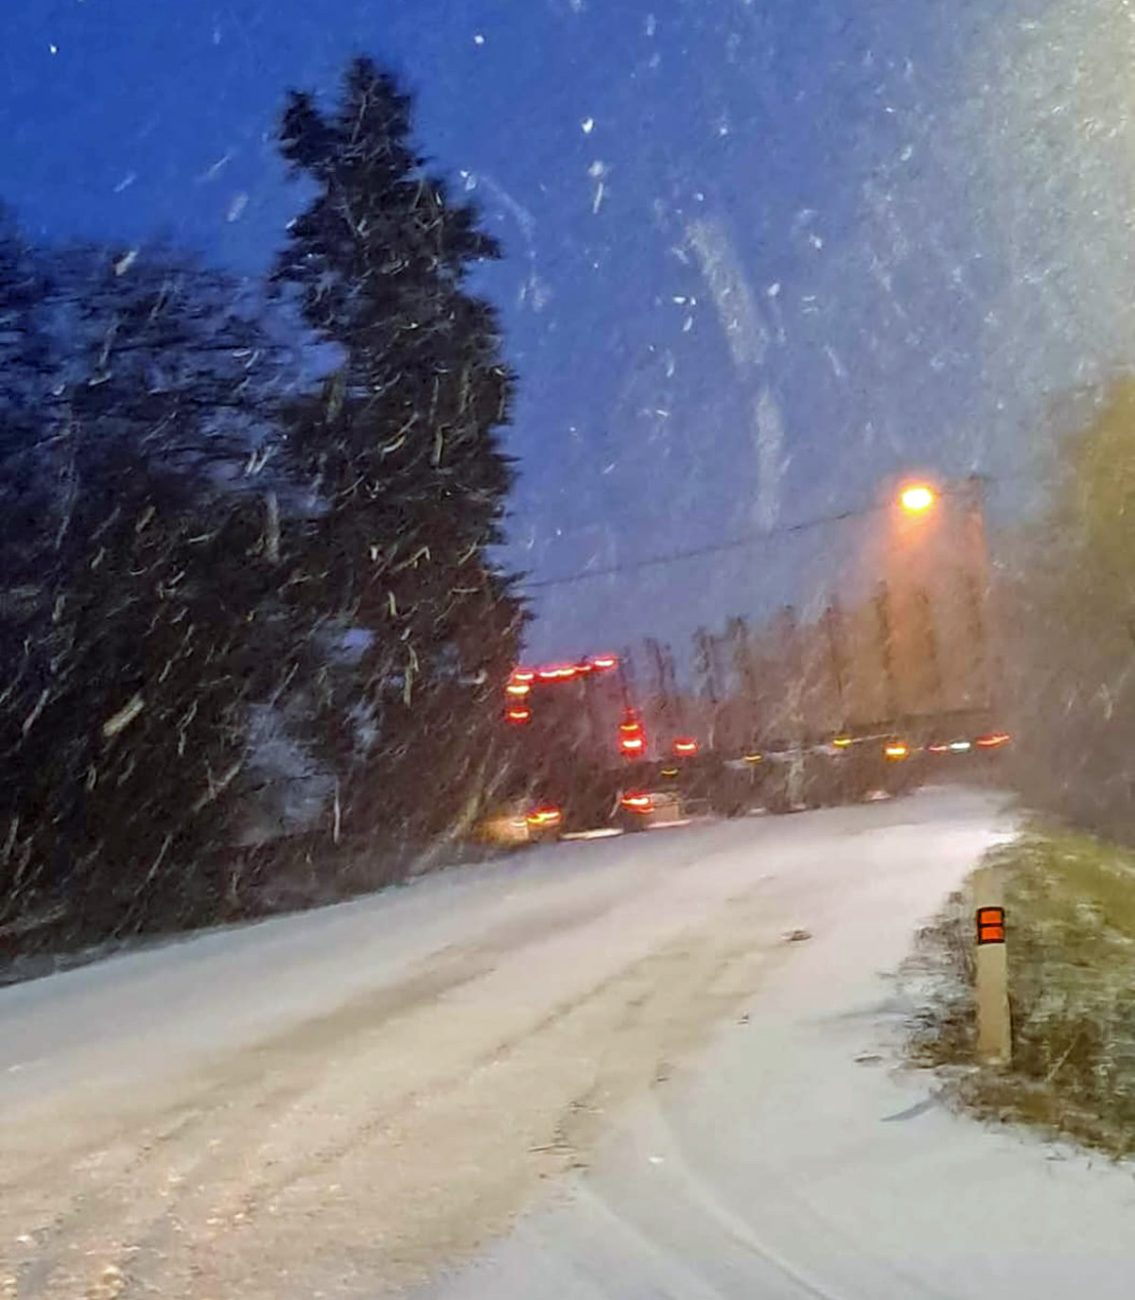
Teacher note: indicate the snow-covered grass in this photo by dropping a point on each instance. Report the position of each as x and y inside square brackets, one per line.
[1070, 903]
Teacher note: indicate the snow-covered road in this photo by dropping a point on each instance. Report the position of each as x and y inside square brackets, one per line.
[612, 1036]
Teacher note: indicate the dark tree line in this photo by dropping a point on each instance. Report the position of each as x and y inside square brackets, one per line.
[1067, 622]
[224, 586]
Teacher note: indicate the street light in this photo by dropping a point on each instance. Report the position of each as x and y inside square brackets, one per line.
[918, 498]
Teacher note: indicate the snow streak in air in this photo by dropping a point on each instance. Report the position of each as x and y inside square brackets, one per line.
[748, 339]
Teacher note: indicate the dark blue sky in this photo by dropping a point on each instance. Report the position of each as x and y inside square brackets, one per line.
[750, 262]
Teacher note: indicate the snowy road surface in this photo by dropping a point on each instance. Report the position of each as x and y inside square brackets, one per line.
[594, 1070]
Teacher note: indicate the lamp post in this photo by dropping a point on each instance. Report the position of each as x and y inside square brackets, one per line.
[904, 608]
[918, 499]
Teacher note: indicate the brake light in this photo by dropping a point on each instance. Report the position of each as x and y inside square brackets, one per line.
[685, 747]
[545, 816]
[604, 663]
[557, 673]
[632, 738]
[638, 803]
[519, 689]
[523, 675]
[993, 741]
[518, 715]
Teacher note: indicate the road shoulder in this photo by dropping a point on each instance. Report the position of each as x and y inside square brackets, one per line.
[799, 1158]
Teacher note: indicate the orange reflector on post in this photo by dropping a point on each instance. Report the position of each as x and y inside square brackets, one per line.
[990, 925]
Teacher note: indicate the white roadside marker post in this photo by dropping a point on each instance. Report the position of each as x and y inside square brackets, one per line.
[994, 1026]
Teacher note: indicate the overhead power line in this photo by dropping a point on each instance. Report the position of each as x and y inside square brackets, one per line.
[697, 552]
[731, 544]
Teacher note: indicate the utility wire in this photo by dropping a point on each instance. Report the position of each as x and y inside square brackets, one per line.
[696, 552]
[720, 548]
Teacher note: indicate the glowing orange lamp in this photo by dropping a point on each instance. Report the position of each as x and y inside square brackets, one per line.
[918, 498]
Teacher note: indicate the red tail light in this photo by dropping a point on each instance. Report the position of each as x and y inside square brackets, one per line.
[638, 803]
[632, 739]
[519, 689]
[557, 672]
[686, 747]
[993, 741]
[542, 818]
[518, 715]
[604, 663]
[523, 674]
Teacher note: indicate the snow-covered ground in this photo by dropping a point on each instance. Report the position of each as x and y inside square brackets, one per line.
[793, 1159]
[601, 1056]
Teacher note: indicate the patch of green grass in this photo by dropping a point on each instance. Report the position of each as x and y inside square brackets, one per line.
[1070, 907]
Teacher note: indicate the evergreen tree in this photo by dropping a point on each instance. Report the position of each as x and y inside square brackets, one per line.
[139, 623]
[402, 454]
[26, 377]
